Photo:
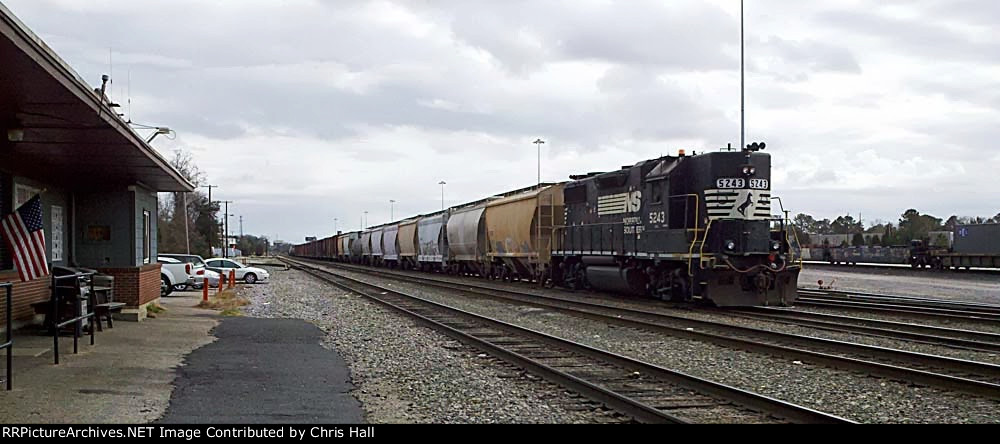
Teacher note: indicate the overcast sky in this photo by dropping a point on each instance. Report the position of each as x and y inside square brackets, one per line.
[306, 111]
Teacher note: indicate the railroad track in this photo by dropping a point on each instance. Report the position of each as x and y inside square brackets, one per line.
[977, 378]
[918, 301]
[921, 333]
[914, 307]
[643, 391]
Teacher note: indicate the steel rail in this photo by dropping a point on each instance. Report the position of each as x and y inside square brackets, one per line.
[925, 334]
[902, 299]
[641, 411]
[740, 337]
[908, 310]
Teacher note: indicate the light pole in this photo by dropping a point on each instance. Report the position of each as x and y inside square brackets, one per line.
[442, 183]
[539, 143]
[538, 202]
[391, 214]
[366, 219]
[335, 225]
[743, 109]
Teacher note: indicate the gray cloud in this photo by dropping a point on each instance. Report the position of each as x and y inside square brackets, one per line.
[331, 108]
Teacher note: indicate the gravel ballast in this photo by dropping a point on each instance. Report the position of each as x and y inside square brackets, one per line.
[852, 395]
[407, 373]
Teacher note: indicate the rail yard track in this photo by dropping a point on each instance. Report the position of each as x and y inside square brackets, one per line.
[642, 391]
[971, 377]
[921, 333]
[901, 305]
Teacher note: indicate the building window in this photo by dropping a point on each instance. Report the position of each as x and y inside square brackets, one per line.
[146, 237]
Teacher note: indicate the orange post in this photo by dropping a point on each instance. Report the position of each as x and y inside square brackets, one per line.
[222, 278]
[232, 278]
[204, 290]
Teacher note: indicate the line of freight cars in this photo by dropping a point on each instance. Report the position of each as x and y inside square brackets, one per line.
[454, 240]
[677, 227]
[968, 246]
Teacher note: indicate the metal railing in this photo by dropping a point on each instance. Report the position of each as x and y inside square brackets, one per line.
[9, 344]
[80, 315]
[795, 234]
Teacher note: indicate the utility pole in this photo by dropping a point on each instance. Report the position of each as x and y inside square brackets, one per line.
[241, 226]
[366, 219]
[335, 225]
[187, 236]
[210, 209]
[225, 226]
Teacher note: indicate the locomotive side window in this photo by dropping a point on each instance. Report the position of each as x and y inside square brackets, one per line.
[575, 195]
[656, 191]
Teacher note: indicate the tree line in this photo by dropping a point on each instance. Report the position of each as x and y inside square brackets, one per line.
[911, 225]
[203, 226]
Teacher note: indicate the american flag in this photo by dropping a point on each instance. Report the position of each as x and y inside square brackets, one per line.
[23, 232]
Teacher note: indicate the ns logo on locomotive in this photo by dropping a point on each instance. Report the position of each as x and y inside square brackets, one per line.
[678, 227]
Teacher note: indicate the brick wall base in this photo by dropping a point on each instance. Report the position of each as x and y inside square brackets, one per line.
[23, 294]
[137, 287]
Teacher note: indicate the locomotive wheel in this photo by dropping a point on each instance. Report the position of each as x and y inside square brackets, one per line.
[680, 291]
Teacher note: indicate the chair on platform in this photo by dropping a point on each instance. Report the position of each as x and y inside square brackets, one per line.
[104, 300]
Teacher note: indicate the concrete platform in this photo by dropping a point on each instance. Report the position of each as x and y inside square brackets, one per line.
[264, 371]
[126, 377]
[187, 365]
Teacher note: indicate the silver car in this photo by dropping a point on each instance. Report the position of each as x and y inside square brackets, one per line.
[244, 273]
[199, 280]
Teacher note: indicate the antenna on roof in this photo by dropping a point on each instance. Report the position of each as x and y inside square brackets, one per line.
[111, 76]
[128, 90]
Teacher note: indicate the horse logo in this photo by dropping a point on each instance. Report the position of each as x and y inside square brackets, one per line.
[743, 207]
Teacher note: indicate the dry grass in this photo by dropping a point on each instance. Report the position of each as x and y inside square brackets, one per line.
[227, 302]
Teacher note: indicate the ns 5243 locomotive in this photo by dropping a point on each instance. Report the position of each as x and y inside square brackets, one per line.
[679, 228]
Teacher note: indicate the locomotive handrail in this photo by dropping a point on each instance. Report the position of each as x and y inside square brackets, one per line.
[701, 251]
[794, 232]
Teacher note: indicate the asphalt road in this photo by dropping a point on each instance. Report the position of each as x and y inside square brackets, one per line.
[263, 371]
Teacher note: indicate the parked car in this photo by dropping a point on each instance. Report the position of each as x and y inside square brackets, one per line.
[173, 274]
[244, 273]
[197, 273]
[213, 279]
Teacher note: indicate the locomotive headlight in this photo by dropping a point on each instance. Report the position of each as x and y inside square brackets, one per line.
[749, 170]
[730, 245]
[775, 245]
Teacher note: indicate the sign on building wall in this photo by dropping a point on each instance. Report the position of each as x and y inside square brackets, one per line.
[57, 233]
[23, 193]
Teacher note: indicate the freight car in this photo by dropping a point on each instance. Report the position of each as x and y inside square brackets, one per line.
[968, 246]
[677, 227]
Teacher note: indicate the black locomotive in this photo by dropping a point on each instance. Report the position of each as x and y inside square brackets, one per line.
[679, 228]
